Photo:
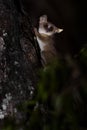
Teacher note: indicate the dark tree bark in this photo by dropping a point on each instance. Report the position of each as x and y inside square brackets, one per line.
[19, 62]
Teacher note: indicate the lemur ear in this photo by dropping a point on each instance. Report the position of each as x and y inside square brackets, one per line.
[43, 19]
[58, 30]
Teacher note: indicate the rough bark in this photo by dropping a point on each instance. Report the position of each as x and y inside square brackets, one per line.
[18, 60]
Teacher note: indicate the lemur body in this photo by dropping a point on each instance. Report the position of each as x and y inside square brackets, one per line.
[45, 39]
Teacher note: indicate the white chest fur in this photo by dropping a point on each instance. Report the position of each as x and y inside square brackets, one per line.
[41, 44]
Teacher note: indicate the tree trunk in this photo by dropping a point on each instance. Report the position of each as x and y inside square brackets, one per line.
[18, 59]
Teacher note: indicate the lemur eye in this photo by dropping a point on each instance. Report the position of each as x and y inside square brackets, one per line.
[48, 27]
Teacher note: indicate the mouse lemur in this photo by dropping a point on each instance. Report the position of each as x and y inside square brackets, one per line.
[44, 36]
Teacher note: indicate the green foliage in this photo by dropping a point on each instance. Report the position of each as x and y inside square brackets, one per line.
[83, 56]
[60, 101]
[53, 79]
[62, 97]
[9, 124]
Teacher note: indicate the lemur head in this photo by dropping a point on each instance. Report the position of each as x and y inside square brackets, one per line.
[46, 27]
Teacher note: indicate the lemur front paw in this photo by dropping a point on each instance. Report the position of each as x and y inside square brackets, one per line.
[35, 30]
